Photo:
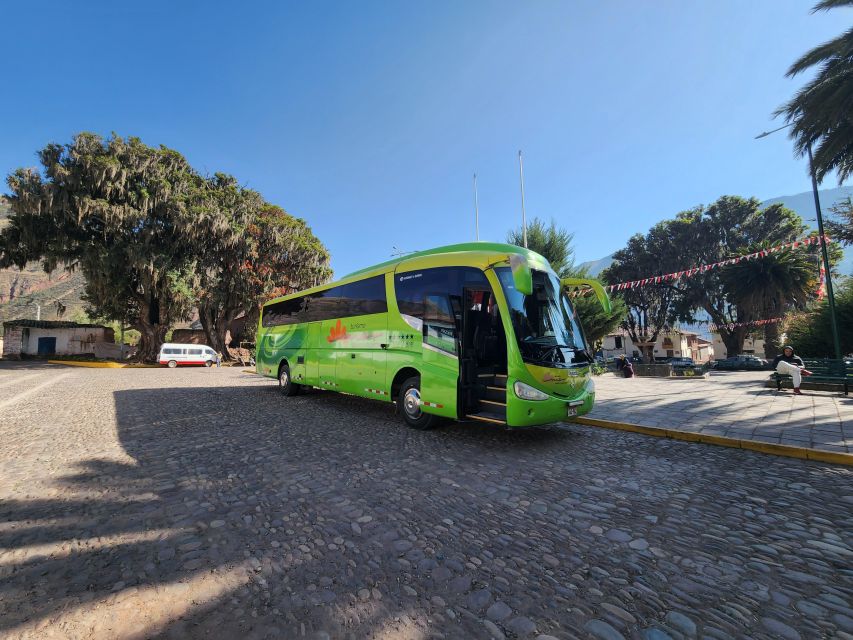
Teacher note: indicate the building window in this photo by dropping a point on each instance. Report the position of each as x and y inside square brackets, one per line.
[618, 341]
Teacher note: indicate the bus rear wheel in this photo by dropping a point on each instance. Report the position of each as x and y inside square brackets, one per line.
[172, 364]
[285, 382]
[409, 402]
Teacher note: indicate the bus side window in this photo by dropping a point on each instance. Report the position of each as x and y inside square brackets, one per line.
[363, 297]
[439, 323]
[284, 312]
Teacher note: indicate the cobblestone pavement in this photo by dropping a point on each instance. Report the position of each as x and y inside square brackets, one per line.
[198, 503]
[734, 404]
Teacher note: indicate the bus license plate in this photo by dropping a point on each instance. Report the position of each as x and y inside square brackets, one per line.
[573, 411]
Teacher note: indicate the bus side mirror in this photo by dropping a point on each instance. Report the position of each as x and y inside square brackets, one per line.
[595, 285]
[522, 277]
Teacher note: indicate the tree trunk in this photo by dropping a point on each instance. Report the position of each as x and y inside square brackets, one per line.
[733, 341]
[215, 327]
[151, 337]
[152, 332]
[771, 340]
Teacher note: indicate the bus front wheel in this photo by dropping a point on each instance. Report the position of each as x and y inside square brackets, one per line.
[409, 402]
[172, 364]
[285, 382]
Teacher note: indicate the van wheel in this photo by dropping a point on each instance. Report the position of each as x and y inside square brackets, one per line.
[172, 364]
[285, 382]
[208, 364]
[409, 402]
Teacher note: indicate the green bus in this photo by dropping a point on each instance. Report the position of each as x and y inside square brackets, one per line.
[476, 331]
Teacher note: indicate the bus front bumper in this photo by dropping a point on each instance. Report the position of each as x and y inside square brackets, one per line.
[529, 413]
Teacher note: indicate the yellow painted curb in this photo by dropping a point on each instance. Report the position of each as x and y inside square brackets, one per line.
[93, 365]
[105, 365]
[762, 447]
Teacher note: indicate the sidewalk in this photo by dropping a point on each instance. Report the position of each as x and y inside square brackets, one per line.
[730, 404]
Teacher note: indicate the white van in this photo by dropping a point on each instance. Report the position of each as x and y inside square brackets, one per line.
[184, 354]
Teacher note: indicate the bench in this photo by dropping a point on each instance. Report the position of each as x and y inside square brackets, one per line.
[823, 370]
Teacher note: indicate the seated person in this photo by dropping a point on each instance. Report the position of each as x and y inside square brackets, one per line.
[789, 364]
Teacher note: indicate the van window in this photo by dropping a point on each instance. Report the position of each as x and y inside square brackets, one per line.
[194, 352]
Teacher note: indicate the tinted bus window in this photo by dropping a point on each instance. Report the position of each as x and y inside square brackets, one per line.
[358, 298]
[363, 297]
[322, 305]
[284, 312]
[411, 287]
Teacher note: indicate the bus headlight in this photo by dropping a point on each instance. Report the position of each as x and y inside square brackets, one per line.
[526, 392]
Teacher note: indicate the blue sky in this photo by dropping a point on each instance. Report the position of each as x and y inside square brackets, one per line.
[368, 118]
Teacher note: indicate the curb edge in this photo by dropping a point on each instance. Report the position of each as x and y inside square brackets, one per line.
[784, 450]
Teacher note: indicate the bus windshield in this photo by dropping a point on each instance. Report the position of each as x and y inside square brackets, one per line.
[545, 325]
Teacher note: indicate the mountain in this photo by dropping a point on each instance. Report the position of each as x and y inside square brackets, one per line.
[595, 267]
[802, 203]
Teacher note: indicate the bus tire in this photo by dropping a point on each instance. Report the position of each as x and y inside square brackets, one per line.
[285, 382]
[208, 363]
[409, 403]
[172, 364]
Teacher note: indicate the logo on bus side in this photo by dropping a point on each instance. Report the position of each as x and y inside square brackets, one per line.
[338, 332]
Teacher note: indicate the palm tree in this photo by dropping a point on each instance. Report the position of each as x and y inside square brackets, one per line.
[821, 111]
[772, 285]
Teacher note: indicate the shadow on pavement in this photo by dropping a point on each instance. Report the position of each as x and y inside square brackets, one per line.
[305, 498]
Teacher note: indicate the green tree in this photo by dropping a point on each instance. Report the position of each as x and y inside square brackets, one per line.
[772, 285]
[112, 208]
[820, 111]
[554, 243]
[811, 334]
[650, 308]
[550, 241]
[840, 225]
[248, 250]
[726, 229]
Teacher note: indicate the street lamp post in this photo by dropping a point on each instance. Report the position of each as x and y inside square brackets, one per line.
[830, 295]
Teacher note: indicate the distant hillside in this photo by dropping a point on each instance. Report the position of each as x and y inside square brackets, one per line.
[802, 203]
[22, 291]
[595, 267]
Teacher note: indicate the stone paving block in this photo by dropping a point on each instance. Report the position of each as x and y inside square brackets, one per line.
[202, 504]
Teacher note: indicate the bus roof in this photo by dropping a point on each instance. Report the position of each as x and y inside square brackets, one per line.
[485, 249]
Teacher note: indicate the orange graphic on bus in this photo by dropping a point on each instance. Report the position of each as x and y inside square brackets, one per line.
[338, 332]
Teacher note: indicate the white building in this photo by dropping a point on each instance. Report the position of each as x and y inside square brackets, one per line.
[671, 344]
[52, 337]
[751, 346]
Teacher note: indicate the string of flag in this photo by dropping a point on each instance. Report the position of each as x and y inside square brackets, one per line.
[751, 323]
[704, 268]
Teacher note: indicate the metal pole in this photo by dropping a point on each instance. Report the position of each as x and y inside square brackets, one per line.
[476, 209]
[523, 214]
[829, 293]
[38, 312]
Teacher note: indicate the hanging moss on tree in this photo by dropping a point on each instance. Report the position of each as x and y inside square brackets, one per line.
[154, 238]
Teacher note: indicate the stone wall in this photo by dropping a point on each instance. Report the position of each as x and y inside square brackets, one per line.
[12, 343]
